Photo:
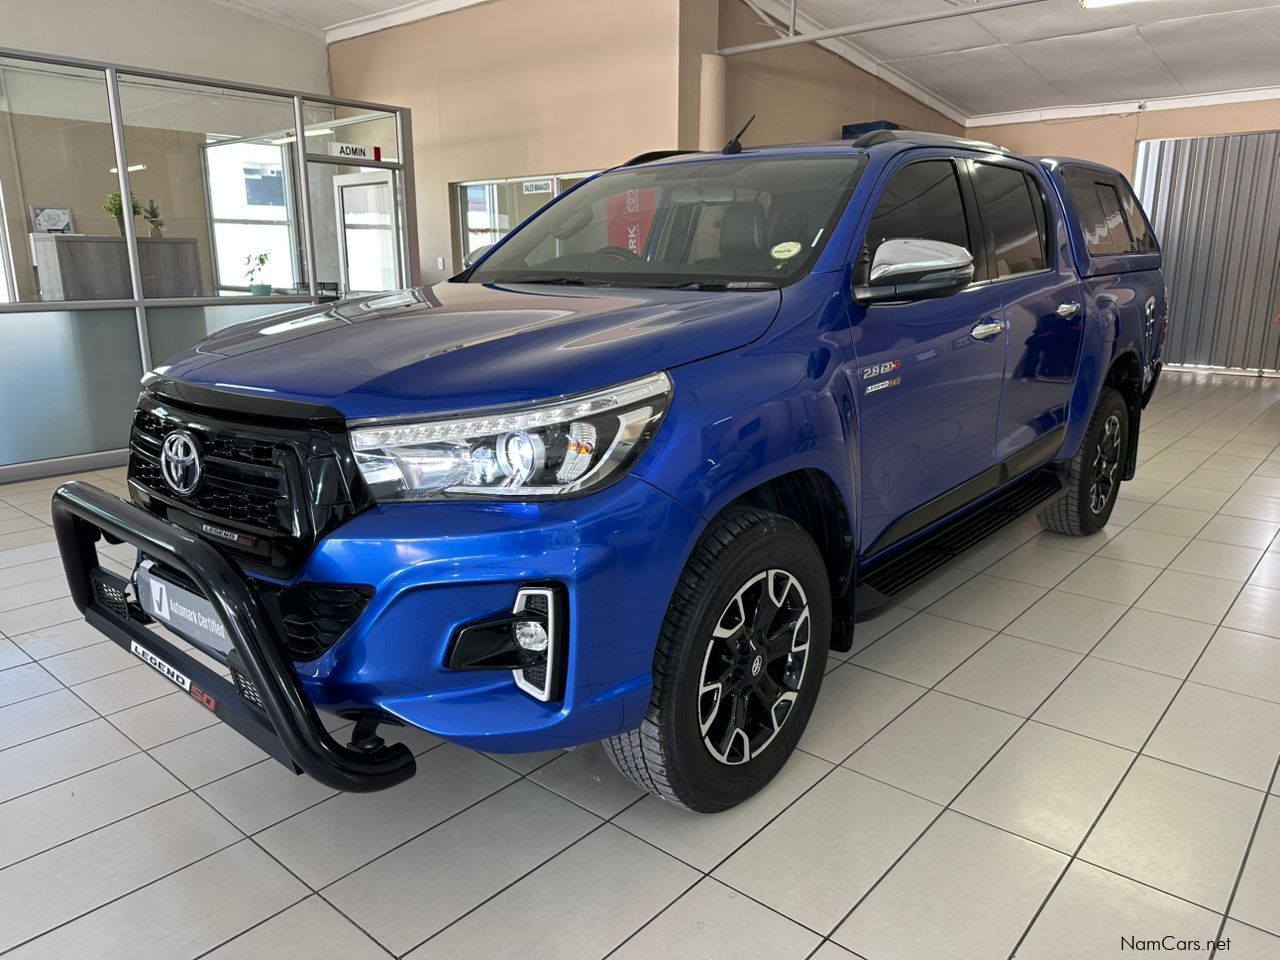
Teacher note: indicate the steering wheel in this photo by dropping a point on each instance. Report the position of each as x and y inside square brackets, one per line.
[617, 253]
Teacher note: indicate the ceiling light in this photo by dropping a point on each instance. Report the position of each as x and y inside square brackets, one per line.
[132, 168]
[1095, 4]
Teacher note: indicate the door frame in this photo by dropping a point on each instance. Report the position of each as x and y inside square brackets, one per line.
[367, 178]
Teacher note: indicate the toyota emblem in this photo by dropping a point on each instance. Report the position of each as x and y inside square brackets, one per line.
[180, 462]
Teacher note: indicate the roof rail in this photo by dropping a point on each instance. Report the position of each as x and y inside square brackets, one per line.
[876, 137]
[651, 155]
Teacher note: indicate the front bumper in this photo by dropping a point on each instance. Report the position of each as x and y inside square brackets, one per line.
[287, 727]
[433, 568]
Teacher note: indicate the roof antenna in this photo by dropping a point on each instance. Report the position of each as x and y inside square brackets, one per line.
[735, 145]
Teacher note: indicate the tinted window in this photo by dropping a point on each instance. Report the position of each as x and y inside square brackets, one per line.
[1012, 205]
[922, 200]
[1144, 240]
[1110, 224]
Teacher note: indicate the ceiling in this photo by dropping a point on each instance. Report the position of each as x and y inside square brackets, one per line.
[1042, 56]
[1055, 54]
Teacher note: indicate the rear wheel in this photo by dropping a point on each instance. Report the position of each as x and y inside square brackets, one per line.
[738, 665]
[1093, 476]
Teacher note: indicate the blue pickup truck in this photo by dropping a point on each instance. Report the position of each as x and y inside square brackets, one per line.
[635, 472]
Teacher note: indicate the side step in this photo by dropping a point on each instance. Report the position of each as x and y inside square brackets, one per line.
[900, 570]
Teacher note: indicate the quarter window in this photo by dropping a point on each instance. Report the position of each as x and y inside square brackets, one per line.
[1014, 209]
[921, 200]
[1110, 217]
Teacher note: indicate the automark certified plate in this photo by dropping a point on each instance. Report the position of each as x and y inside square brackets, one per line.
[185, 613]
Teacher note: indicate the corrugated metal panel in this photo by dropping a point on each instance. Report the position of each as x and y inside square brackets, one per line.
[1215, 204]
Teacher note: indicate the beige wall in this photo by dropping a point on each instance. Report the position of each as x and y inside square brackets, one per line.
[1114, 140]
[185, 36]
[805, 92]
[511, 88]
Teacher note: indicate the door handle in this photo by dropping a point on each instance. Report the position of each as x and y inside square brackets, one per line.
[987, 329]
[1069, 309]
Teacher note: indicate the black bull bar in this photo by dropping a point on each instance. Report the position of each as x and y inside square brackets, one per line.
[287, 727]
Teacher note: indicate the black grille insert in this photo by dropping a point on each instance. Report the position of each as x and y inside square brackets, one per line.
[313, 617]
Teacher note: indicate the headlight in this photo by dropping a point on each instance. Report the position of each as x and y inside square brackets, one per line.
[553, 449]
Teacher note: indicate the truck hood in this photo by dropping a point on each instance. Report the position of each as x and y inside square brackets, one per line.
[461, 345]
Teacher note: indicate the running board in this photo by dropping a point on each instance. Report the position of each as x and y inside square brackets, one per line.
[896, 573]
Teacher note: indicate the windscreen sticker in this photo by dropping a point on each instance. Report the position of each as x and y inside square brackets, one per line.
[785, 250]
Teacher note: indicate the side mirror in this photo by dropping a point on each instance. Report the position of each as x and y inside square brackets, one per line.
[914, 269]
[470, 259]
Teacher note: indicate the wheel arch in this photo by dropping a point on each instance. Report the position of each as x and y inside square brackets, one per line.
[810, 497]
[1125, 377]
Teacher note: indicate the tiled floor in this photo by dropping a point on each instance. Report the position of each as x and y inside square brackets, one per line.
[1055, 744]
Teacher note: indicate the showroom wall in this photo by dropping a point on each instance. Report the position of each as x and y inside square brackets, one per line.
[1114, 140]
[510, 88]
[186, 36]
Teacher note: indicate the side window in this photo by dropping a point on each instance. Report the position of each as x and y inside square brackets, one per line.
[1144, 240]
[1110, 217]
[921, 200]
[1012, 204]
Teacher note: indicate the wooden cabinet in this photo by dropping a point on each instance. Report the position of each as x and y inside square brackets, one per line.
[79, 267]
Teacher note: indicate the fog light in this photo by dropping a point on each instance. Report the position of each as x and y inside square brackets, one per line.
[531, 636]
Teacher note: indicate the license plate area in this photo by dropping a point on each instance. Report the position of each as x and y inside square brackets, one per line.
[186, 613]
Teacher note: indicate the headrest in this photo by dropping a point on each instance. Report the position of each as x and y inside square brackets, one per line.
[742, 229]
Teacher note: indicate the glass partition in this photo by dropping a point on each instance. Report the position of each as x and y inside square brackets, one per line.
[347, 133]
[57, 172]
[68, 382]
[355, 216]
[172, 329]
[238, 202]
[213, 172]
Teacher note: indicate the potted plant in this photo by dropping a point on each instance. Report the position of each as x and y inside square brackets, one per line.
[255, 263]
[113, 206]
[151, 213]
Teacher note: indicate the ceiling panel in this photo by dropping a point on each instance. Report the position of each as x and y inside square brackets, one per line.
[986, 80]
[925, 38]
[1098, 67]
[1209, 54]
[1051, 19]
[1053, 53]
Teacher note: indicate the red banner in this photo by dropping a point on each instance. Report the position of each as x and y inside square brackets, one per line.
[630, 217]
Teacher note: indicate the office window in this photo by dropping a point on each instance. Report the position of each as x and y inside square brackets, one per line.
[212, 169]
[57, 170]
[1014, 209]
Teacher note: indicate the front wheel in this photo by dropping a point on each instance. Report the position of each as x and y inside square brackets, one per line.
[1093, 476]
[738, 665]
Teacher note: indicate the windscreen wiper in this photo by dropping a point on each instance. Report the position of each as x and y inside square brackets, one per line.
[559, 280]
[726, 285]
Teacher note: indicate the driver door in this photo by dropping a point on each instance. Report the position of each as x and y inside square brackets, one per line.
[928, 372]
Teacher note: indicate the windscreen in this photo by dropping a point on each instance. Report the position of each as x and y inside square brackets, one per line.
[748, 222]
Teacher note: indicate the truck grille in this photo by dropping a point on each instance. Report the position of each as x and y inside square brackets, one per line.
[269, 487]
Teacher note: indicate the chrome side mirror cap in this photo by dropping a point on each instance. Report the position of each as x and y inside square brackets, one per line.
[909, 268]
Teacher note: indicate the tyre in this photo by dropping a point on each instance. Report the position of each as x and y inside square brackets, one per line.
[1093, 476]
[738, 665]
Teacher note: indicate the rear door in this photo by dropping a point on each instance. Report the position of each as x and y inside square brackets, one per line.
[1031, 268]
[928, 389]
